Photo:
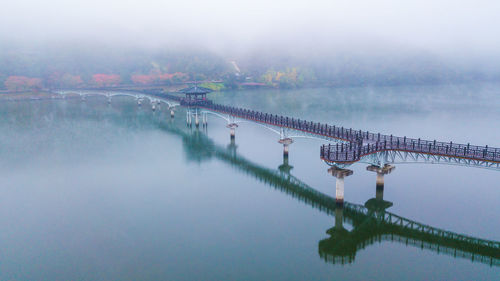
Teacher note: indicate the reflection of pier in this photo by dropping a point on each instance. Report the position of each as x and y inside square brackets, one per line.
[371, 223]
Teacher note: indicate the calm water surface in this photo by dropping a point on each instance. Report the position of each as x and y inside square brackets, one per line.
[96, 192]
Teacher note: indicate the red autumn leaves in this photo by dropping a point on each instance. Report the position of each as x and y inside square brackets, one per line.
[103, 80]
[22, 83]
[59, 80]
[158, 78]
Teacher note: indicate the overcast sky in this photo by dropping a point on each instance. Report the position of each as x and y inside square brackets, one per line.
[441, 26]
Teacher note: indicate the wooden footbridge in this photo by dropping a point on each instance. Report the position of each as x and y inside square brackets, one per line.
[350, 145]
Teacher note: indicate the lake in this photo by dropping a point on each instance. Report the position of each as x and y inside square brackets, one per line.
[91, 191]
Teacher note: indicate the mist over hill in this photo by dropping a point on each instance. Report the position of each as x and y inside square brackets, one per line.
[280, 44]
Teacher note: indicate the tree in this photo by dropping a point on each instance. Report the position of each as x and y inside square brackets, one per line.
[22, 83]
[106, 80]
[68, 80]
[142, 79]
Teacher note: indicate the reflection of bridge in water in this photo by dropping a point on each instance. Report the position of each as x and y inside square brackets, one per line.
[371, 223]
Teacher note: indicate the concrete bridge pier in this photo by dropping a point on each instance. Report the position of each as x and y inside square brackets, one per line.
[285, 142]
[381, 172]
[340, 174]
[139, 102]
[378, 203]
[172, 113]
[232, 130]
[153, 106]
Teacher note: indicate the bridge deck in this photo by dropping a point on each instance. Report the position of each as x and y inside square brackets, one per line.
[360, 143]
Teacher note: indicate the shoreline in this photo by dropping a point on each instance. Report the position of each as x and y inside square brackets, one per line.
[47, 94]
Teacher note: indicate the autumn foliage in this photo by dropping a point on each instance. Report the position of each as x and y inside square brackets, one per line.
[68, 80]
[158, 78]
[104, 80]
[22, 83]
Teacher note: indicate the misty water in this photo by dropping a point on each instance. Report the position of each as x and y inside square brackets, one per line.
[91, 191]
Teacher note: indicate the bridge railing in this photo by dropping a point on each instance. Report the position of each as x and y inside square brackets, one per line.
[353, 151]
[374, 142]
[288, 122]
[361, 143]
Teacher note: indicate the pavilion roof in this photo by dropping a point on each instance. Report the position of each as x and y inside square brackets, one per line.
[195, 90]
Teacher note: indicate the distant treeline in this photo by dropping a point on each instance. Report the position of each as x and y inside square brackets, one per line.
[72, 67]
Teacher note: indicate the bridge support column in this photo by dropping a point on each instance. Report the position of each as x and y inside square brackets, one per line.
[340, 174]
[196, 119]
[153, 106]
[378, 203]
[381, 171]
[286, 142]
[172, 113]
[232, 130]
[139, 102]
